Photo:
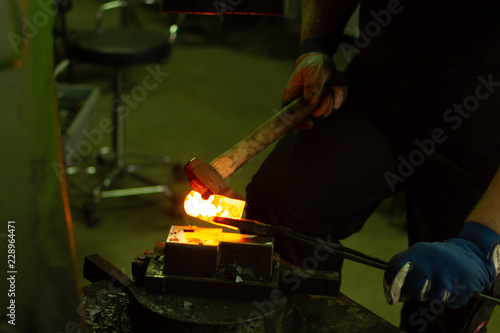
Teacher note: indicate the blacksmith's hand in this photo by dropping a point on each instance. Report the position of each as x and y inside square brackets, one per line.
[316, 79]
[452, 271]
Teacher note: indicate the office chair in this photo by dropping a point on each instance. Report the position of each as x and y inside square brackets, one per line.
[118, 47]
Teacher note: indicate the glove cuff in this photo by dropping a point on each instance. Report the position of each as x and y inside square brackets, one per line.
[318, 44]
[486, 239]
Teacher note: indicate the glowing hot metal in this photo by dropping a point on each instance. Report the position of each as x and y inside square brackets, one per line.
[214, 206]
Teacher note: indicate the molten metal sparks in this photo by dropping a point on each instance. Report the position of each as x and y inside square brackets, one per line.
[214, 206]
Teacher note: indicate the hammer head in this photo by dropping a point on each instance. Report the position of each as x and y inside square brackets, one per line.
[206, 180]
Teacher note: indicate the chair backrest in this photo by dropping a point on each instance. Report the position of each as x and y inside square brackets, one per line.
[108, 6]
[123, 45]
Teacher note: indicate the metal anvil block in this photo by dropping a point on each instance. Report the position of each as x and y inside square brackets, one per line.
[208, 252]
[253, 258]
[190, 260]
[208, 262]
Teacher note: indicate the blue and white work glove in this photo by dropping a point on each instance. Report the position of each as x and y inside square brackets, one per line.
[452, 271]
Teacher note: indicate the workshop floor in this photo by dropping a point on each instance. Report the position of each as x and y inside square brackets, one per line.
[224, 79]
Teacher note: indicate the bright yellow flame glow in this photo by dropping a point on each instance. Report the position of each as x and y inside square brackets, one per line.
[204, 236]
[194, 235]
[214, 206]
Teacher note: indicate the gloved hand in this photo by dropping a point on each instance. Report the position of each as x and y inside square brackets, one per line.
[316, 79]
[451, 271]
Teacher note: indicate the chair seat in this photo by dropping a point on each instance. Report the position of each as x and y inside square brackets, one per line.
[118, 46]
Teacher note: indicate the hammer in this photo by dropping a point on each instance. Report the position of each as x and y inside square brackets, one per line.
[208, 178]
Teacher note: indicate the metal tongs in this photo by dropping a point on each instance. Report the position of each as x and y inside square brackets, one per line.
[259, 228]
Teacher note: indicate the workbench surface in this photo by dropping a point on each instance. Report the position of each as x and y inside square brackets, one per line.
[107, 310]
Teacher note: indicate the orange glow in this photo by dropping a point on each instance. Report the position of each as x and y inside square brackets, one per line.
[214, 206]
[204, 236]
[194, 235]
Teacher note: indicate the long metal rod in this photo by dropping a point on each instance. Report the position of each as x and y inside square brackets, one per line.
[362, 258]
[126, 192]
[260, 228]
[341, 251]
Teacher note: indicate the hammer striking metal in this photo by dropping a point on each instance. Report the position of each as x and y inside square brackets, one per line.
[209, 178]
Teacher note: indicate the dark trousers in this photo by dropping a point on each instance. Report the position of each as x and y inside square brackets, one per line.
[327, 181]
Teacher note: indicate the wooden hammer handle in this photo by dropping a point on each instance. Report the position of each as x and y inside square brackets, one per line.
[228, 162]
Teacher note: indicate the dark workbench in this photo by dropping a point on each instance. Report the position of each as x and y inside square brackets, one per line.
[107, 310]
[325, 314]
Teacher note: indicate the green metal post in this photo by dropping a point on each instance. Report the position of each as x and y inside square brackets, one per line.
[38, 287]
